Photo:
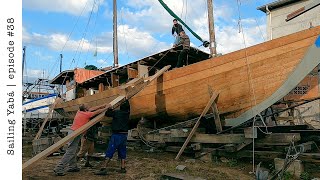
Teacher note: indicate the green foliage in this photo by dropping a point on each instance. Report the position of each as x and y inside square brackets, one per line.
[287, 176]
[305, 176]
[90, 67]
[233, 162]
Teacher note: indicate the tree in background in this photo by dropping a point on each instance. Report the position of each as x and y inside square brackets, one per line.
[90, 67]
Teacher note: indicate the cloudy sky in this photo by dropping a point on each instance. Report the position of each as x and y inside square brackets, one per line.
[79, 28]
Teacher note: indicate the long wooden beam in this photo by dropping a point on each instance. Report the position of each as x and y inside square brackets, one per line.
[71, 136]
[115, 103]
[178, 136]
[204, 112]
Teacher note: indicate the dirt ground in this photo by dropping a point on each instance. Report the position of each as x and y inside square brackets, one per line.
[142, 165]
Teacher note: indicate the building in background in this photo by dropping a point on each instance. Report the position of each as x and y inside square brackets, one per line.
[277, 12]
[287, 17]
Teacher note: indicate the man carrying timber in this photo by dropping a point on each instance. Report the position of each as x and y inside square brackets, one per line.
[118, 139]
[70, 157]
[185, 42]
[87, 145]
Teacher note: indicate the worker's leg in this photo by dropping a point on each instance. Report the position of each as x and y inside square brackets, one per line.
[122, 152]
[181, 57]
[83, 148]
[90, 145]
[68, 157]
[112, 146]
[185, 57]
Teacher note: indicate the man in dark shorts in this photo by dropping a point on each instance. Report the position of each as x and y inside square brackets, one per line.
[118, 139]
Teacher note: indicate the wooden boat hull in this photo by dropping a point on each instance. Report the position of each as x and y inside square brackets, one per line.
[244, 79]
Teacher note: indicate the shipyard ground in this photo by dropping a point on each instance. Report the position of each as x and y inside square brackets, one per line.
[142, 165]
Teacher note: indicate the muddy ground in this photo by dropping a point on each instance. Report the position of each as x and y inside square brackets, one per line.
[142, 165]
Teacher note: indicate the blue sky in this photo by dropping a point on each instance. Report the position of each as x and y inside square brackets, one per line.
[79, 28]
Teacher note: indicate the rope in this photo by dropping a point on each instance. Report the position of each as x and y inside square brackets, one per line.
[264, 39]
[81, 42]
[185, 15]
[156, 63]
[74, 27]
[94, 30]
[124, 34]
[146, 142]
[250, 84]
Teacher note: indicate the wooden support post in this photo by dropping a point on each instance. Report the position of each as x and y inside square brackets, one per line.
[215, 110]
[143, 71]
[216, 114]
[212, 99]
[132, 73]
[114, 80]
[101, 87]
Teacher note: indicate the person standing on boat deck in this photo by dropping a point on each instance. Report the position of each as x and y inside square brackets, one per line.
[118, 139]
[176, 29]
[70, 157]
[185, 42]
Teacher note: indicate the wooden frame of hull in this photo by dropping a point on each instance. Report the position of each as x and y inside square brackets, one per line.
[244, 79]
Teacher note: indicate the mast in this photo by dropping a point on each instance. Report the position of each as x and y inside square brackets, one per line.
[213, 51]
[23, 59]
[115, 38]
[61, 62]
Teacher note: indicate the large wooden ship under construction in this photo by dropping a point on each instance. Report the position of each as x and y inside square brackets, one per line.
[248, 81]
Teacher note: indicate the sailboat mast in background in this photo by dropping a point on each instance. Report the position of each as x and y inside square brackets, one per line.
[115, 37]
[213, 50]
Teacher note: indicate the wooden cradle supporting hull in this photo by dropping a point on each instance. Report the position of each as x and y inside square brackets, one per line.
[244, 79]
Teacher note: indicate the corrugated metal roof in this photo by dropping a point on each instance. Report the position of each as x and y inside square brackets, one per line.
[277, 4]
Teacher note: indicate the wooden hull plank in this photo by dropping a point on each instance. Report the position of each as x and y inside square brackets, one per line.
[307, 64]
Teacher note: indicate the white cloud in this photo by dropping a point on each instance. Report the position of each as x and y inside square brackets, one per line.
[31, 75]
[102, 62]
[57, 42]
[74, 7]
[41, 56]
[138, 43]
[131, 40]
[146, 20]
[151, 16]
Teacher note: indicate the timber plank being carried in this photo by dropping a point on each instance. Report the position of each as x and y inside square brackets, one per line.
[113, 104]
